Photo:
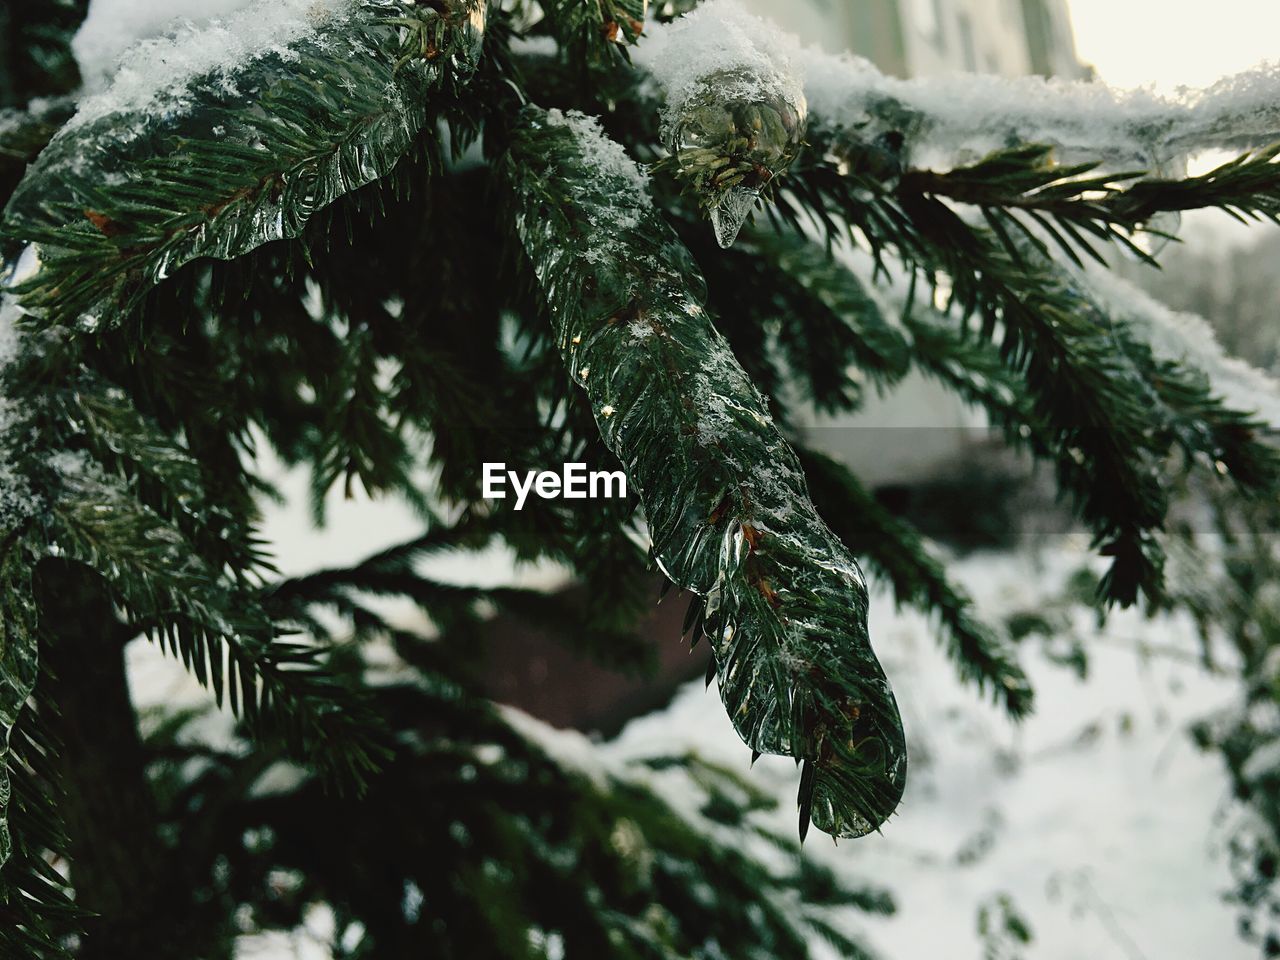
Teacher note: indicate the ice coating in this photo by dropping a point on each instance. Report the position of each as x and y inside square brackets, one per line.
[157, 71]
[730, 214]
[718, 37]
[726, 502]
[285, 106]
[17, 638]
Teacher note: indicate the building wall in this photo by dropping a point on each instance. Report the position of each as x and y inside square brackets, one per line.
[1051, 40]
[869, 28]
[937, 37]
[965, 36]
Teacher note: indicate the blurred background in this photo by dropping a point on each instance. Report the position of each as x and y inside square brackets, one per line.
[1107, 825]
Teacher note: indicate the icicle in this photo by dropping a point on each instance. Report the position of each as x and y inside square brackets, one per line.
[728, 216]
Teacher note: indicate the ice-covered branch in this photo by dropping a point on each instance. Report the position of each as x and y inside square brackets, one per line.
[724, 496]
[227, 137]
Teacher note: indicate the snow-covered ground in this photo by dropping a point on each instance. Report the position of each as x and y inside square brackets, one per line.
[1096, 815]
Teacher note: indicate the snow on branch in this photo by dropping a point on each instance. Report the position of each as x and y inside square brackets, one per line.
[719, 43]
[955, 119]
[1188, 339]
[157, 71]
[226, 137]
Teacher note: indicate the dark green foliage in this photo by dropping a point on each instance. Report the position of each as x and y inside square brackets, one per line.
[223, 164]
[1004, 932]
[35, 50]
[595, 31]
[1236, 606]
[18, 667]
[599, 864]
[385, 291]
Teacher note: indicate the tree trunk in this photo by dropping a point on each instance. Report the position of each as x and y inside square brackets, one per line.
[118, 859]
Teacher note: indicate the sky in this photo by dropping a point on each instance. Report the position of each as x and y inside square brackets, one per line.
[1168, 43]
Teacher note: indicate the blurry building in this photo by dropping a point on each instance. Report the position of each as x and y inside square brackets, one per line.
[932, 37]
[921, 431]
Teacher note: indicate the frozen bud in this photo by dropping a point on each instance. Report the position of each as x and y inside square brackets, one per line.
[735, 110]
[729, 146]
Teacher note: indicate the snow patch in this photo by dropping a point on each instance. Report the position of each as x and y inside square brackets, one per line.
[569, 748]
[719, 45]
[1185, 337]
[156, 70]
[1264, 762]
[608, 157]
[617, 175]
[113, 26]
[1095, 814]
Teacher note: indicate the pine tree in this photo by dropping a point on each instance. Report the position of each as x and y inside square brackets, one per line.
[390, 239]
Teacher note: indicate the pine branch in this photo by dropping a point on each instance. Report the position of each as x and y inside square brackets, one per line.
[1024, 190]
[724, 496]
[1211, 434]
[793, 319]
[18, 662]
[113, 492]
[1091, 396]
[595, 29]
[359, 438]
[1247, 187]
[36, 911]
[975, 370]
[218, 631]
[165, 477]
[835, 325]
[1093, 386]
[894, 549]
[231, 161]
